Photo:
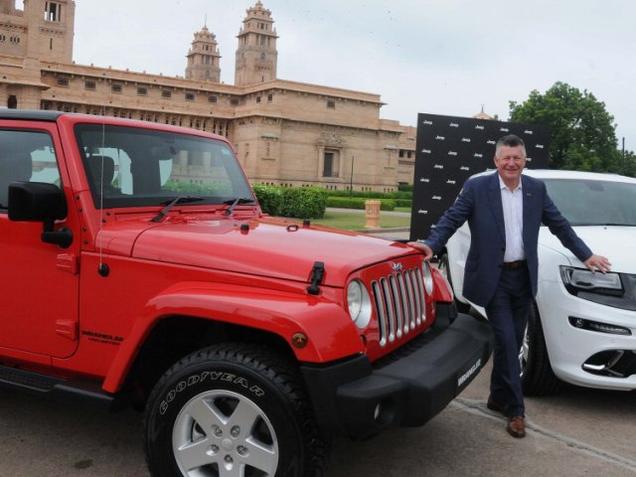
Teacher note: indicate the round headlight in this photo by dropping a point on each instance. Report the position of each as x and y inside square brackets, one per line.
[359, 303]
[428, 277]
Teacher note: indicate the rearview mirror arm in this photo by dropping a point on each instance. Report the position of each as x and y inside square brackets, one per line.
[62, 237]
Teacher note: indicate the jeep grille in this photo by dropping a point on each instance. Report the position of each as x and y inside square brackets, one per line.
[400, 304]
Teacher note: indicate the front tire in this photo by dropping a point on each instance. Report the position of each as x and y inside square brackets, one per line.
[232, 410]
[537, 377]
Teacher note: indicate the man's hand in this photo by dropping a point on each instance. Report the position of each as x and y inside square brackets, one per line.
[428, 252]
[598, 263]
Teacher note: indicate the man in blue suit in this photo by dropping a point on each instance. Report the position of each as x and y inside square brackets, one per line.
[504, 212]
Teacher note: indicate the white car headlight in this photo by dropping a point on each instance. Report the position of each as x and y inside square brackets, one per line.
[428, 278]
[359, 303]
[582, 279]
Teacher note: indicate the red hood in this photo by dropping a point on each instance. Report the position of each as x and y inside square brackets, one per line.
[269, 248]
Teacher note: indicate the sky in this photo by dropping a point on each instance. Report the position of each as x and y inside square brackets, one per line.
[433, 56]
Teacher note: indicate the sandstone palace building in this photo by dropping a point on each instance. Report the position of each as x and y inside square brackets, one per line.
[285, 132]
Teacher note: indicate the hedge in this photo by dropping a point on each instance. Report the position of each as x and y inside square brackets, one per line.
[403, 203]
[357, 203]
[371, 195]
[304, 202]
[299, 202]
[310, 202]
[270, 198]
[208, 188]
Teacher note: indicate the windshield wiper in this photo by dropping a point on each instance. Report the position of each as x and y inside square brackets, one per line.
[170, 204]
[234, 202]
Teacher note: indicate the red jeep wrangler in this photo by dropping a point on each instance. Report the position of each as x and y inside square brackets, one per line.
[138, 268]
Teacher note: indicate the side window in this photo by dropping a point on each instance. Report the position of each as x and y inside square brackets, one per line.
[26, 156]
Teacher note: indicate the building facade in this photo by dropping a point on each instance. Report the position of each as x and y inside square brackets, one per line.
[285, 132]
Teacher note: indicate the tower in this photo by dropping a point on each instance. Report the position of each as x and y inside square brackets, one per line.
[51, 27]
[13, 30]
[7, 6]
[203, 58]
[256, 55]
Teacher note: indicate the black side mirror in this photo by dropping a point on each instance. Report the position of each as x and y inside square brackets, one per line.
[40, 202]
[36, 202]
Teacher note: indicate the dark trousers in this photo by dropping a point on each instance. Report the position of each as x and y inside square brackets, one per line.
[508, 315]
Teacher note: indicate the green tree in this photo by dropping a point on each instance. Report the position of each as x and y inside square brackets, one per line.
[583, 132]
[628, 164]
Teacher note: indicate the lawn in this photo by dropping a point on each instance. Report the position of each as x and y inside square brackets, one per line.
[355, 220]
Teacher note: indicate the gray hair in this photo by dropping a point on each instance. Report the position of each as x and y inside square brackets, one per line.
[510, 140]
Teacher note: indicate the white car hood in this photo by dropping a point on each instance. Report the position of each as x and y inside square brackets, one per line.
[615, 243]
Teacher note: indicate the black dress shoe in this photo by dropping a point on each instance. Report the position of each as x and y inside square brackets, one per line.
[495, 406]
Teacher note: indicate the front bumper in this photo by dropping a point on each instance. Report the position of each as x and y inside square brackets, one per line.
[407, 388]
[569, 347]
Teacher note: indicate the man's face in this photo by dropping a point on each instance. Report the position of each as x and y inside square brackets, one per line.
[510, 163]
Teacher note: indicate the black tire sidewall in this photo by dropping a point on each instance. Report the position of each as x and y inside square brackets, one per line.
[533, 335]
[538, 378]
[527, 359]
[198, 378]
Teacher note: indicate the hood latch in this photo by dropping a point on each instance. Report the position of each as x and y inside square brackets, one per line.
[317, 274]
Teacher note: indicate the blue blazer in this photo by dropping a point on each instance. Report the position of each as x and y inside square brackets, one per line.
[479, 202]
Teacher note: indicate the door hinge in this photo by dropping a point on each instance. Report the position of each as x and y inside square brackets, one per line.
[67, 329]
[68, 263]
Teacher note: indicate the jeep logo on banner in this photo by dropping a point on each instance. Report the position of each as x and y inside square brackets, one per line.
[450, 150]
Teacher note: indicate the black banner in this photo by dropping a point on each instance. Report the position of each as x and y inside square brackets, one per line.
[451, 149]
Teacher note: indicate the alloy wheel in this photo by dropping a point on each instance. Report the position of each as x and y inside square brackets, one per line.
[221, 433]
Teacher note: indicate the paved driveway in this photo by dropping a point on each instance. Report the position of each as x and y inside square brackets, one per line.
[578, 433]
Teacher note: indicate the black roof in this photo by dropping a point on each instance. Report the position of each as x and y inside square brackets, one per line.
[30, 114]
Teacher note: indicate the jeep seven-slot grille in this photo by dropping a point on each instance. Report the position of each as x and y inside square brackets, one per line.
[399, 304]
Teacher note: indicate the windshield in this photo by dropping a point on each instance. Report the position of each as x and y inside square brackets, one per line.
[594, 202]
[137, 167]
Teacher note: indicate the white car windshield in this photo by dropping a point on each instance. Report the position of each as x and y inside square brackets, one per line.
[594, 202]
